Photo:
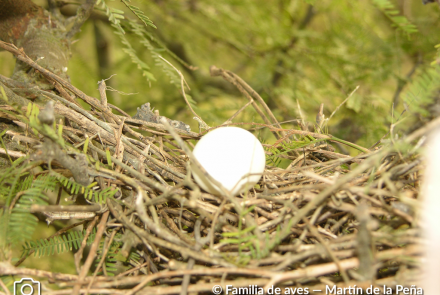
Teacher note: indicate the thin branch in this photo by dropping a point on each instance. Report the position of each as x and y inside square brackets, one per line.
[82, 15]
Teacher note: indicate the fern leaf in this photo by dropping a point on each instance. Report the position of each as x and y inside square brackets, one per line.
[114, 15]
[421, 91]
[128, 49]
[140, 15]
[57, 244]
[166, 68]
[399, 21]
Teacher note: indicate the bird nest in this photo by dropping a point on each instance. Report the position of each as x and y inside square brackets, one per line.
[328, 223]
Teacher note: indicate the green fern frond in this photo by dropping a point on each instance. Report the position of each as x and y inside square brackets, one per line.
[57, 244]
[436, 61]
[114, 15]
[287, 147]
[163, 48]
[22, 223]
[113, 256]
[166, 68]
[392, 13]
[9, 180]
[18, 224]
[139, 13]
[421, 91]
[134, 58]
[274, 158]
[134, 257]
[90, 194]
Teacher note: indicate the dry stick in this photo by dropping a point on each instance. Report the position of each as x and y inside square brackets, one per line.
[78, 255]
[142, 234]
[158, 229]
[119, 110]
[142, 125]
[256, 96]
[82, 15]
[307, 272]
[13, 154]
[6, 268]
[220, 72]
[101, 88]
[365, 244]
[62, 110]
[19, 53]
[132, 171]
[100, 123]
[123, 274]
[329, 137]
[228, 121]
[78, 109]
[315, 232]
[317, 200]
[422, 131]
[322, 269]
[182, 79]
[65, 208]
[345, 100]
[173, 227]
[191, 261]
[92, 253]
[135, 185]
[104, 254]
[63, 92]
[214, 222]
[167, 167]
[5, 288]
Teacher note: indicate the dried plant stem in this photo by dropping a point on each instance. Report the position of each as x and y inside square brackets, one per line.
[92, 253]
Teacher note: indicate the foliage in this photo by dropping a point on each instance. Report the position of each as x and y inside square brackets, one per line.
[288, 52]
[399, 21]
[114, 15]
[421, 91]
[18, 225]
[139, 13]
[57, 244]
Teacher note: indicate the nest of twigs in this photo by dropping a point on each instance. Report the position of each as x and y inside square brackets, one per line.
[328, 220]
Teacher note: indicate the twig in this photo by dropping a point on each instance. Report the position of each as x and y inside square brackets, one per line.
[82, 15]
[214, 71]
[342, 103]
[92, 253]
[238, 112]
[101, 262]
[182, 80]
[78, 255]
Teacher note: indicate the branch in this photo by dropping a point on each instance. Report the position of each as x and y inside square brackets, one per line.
[82, 15]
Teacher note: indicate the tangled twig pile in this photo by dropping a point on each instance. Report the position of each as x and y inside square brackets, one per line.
[326, 221]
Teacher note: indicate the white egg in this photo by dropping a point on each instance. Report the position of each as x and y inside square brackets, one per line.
[229, 154]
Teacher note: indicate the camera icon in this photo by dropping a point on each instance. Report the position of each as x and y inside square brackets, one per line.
[27, 286]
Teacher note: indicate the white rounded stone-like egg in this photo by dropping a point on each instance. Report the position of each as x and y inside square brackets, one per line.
[229, 154]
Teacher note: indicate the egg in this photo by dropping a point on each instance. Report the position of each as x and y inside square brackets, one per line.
[229, 155]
